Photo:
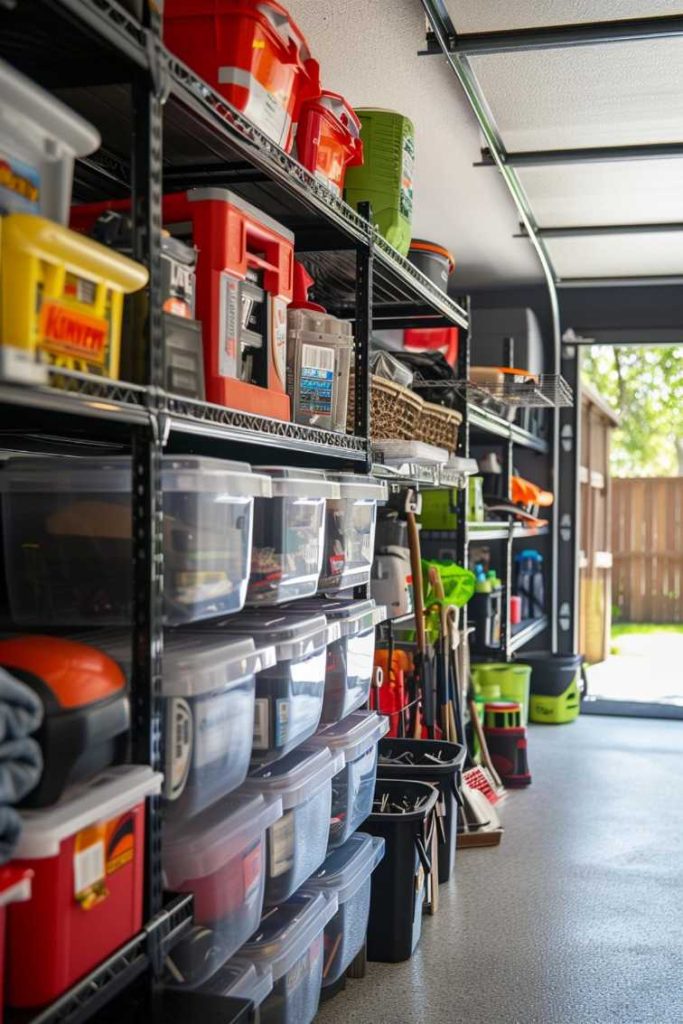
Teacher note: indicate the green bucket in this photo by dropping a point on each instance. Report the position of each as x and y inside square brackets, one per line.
[385, 178]
[504, 681]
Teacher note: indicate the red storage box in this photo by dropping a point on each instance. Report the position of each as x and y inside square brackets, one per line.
[328, 138]
[441, 339]
[87, 858]
[245, 274]
[251, 53]
[15, 887]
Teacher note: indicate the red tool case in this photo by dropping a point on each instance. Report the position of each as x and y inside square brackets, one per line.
[87, 856]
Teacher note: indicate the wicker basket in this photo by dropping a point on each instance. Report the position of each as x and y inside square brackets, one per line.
[395, 411]
[439, 426]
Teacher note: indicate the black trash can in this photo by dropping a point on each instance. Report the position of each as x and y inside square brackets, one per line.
[395, 922]
[558, 685]
[439, 763]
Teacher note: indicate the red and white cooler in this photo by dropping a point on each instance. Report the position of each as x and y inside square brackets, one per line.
[87, 858]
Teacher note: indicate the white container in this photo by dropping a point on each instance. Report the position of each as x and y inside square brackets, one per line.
[347, 874]
[356, 737]
[208, 689]
[220, 857]
[69, 548]
[289, 944]
[350, 532]
[319, 357]
[350, 660]
[289, 696]
[297, 842]
[39, 139]
[289, 532]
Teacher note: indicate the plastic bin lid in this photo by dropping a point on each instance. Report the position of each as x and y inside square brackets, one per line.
[25, 100]
[193, 663]
[204, 844]
[299, 483]
[110, 793]
[294, 636]
[353, 616]
[360, 488]
[15, 884]
[287, 931]
[353, 735]
[241, 980]
[345, 869]
[114, 475]
[296, 777]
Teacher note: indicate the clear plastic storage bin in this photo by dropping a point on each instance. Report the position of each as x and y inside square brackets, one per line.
[350, 532]
[297, 842]
[208, 689]
[68, 538]
[289, 531]
[350, 660]
[240, 980]
[289, 943]
[356, 736]
[289, 696]
[220, 857]
[347, 874]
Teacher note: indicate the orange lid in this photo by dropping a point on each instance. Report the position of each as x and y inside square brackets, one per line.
[75, 673]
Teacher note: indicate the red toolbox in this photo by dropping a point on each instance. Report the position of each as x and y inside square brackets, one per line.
[328, 138]
[87, 858]
[252, 53]
[244, 284]
[15, 887]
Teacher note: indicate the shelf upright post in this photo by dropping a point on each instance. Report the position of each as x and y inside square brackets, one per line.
[508, 461]
[567, 511]
[463, 448]
[364, 295]
[147, 491]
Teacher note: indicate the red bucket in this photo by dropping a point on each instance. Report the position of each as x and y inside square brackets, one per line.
[252, 53]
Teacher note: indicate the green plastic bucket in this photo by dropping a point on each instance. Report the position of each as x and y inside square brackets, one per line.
[385, 178]
[497, 680]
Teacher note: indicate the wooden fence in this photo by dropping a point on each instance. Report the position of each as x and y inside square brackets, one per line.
[647, 544]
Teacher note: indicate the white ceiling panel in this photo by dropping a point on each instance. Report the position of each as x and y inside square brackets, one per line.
[367, 51]
[617, 94]
[610, 192]
[637, 255]
[498, 15]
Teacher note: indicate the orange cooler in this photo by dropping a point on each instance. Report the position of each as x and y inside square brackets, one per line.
[328, 139]
[252, 53]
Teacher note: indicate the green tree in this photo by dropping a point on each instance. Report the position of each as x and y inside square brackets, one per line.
[644, 385]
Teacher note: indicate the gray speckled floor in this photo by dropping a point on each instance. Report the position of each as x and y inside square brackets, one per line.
[577, 918]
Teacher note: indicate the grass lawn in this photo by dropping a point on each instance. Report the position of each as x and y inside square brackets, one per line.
[628, 628]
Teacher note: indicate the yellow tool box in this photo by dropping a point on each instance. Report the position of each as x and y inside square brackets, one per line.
[61, 300]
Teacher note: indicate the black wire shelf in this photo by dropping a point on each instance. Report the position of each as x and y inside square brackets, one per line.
[118, 972]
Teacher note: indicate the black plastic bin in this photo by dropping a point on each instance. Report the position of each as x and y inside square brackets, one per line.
[444, 774]
[484, 612]
[395, 922]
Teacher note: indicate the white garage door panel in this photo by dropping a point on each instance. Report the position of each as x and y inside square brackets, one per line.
[617, 192]
[617, 94]
[641, 255]
[498, 15]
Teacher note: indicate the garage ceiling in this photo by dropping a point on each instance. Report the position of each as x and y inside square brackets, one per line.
[626, 93]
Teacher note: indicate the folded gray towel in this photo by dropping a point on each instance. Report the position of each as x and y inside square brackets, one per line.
[10, 830]
[21, 710]
[21, 765]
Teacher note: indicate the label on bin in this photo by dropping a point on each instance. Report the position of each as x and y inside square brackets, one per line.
[316, 383]
[65, 331]
[252, 869]
[261, 740]
[407, 172]
[19, 185]
[281, 845]
[266, 109]
[281, 722]
[179, 732]
[90, 866]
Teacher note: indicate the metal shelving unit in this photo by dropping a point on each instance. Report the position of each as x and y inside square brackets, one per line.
[525, 632]
[163, 129]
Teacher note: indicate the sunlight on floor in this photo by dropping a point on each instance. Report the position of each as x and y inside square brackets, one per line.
[646, 666]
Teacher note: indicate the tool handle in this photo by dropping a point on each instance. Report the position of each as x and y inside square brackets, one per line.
[416, 569]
